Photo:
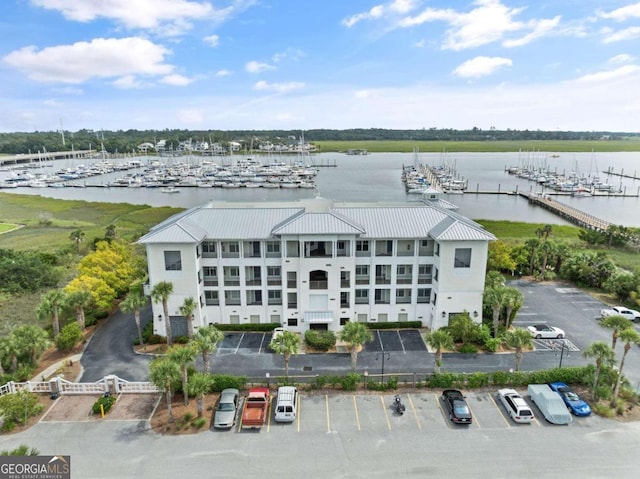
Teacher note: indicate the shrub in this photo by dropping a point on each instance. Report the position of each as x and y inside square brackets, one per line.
[156, 339]
[468, 349]
[181, 340]
[199, 422]
[70, 335]
[321, 340]
[477, 380]
[349, 382]
[224, 381]
[14, 407]
[445, 380]
[501, 378]
[397, 325]
[106, 401]
[492, 344]
[265, 327]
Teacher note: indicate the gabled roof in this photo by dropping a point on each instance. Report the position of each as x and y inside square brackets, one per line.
[178, 232]
[318, 223]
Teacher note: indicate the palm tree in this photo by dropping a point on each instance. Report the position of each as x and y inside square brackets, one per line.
[165, 374]
[603, 353]
[77, 236]
[199, 385]
[133, 303]
[439, 339]
[532, 245]
[518, 339]
[617, 323]
[355, 334]
[50, 308]
[287, 343]
[160, 294]
[513, 301]
[205, 341]
[495, 297]
[183, 357]
[186, 310]
[31, 340]
[629, 336]
[21, 450]
[79, 300]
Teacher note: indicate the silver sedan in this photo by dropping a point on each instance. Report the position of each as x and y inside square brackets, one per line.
[225, 416]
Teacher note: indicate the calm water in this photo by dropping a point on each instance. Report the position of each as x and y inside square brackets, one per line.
[376, 177]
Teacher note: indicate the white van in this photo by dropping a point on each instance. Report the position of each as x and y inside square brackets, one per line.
[286, 404]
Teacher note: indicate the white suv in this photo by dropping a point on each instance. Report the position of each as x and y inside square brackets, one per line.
[515, 405]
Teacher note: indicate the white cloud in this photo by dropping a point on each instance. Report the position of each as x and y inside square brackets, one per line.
[609, 75]
[52, 103]
[278, 87]
[257, 67]
[191, 116]
[374, 12]
[622, 58]
[481, 66]
[623, 13]
[223, 73]
[170, 16]
[293, 54]
[176, 80]
[212, 40]
[99, 58]
[128, 82]
[394, 8]
[611, 36]
[539, 28]
[69, 90]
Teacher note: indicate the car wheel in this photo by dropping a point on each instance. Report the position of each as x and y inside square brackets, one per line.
[560, 336]
[538, 336]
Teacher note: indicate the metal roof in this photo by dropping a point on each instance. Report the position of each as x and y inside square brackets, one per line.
[229, 222]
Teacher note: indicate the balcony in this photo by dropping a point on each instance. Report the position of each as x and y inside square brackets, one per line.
[383, 280]
[274, 280]
[318, 284]
[232, 281]
[345, 283]
[253, 282]
[232, 302]
[404, 280]
[362, 300]
[210, 281]
[425, 278]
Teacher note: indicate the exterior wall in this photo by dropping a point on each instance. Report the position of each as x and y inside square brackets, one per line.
[456, 289]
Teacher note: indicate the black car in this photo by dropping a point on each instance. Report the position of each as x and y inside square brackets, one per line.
[457, 408]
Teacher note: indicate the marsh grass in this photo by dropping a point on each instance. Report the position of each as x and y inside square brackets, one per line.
[515, 230]
[481, 146]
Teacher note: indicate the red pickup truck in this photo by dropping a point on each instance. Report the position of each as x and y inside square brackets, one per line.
[256, 406]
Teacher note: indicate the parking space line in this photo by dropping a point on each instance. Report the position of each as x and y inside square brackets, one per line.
[401, 343]
[380, 341]
[415, 413]
[386, 415]
[239, 343]
[444, 413]
[326, 402]
[261, 343]
[500, 409]
[269, 413]
[474, 416]
[298, 412]
[355, 407]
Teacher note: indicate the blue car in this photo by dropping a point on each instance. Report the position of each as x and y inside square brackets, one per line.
[576, 405]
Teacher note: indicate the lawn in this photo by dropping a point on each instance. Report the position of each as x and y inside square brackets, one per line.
[4, 227]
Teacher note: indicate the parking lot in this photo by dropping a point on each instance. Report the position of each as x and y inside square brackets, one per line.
[373, 414]
[406, 340]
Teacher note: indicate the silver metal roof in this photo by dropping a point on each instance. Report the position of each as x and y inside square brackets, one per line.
[230, 222]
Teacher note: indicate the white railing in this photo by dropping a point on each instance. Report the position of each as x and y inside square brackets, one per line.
[139, 387]
[112, 384]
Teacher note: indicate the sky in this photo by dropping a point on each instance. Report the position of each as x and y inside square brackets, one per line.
[305, 64]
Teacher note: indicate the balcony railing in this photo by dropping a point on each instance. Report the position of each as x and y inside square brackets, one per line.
[254, 282]
[345, 283]
[383, 280]
[274, 280]
[232, 281]
[232, 302]
[425, 278]
[362, 300]
[210, 281]
[318, 284]
[404, 280]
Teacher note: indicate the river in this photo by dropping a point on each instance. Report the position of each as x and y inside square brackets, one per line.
[376, 178]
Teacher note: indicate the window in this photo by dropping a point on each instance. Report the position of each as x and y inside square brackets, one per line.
[318, 279]
[462, 258]
[362, 296]
[252, 275]
[383, 274]
[435, 277]
[343, 321]
[293, 322]
[230, 249]
[254, 297]
[362, 248]
[403, 296]
[344, 299]
[404, 273]
[273, 249]
[210, 274]
[211, 298]
[362, 318]
[172, 261]
[231, 276]
[426, 248]
[424, 295]
[317, 249]
[292, 300]
[384, 247]
[405, 247]
[292, 281]
[382, 296]
[293, 249]
[209, 249]
[425, 273]
[342, 248]
[232, 297]
[273, 275]
[437, 249]
[362, 274]
[252, 249]
[274, 297]
[345, 279]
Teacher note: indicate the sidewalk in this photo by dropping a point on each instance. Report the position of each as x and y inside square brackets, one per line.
[54, 368]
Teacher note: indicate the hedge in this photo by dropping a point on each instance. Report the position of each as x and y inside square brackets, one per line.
[257, 327]
[396, 325]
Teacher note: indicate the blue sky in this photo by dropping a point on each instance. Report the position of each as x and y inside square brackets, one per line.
[303, 64]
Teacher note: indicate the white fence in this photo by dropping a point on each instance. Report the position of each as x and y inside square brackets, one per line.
[111, 384]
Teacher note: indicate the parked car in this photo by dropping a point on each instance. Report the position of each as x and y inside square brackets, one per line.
[630, 314]
[543, 331]
[457, 407]
[550, 404]
[225, 415]
[516, 406]
[573, 401]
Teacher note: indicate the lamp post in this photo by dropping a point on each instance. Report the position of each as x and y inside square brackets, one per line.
[388, 356]
[561, 354]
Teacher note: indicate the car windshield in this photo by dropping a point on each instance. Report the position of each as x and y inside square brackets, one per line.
[571, 396]
[460, 409]
[225, 406]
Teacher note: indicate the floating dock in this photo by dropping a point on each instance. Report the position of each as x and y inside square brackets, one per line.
[569, 213]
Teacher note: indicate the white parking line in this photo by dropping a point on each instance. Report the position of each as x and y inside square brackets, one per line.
[401, 343]
[239, 342]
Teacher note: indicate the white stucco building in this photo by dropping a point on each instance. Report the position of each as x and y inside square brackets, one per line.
[316, 264]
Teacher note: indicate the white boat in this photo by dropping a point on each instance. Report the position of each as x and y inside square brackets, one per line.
[7, 184]
[170, 189]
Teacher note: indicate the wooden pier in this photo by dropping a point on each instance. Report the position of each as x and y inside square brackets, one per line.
[569, 213]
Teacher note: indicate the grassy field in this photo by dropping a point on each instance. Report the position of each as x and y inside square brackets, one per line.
[48, 222]
[517, 231]
[480, 146]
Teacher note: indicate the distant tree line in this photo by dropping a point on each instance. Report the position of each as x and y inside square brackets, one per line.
[127, 141]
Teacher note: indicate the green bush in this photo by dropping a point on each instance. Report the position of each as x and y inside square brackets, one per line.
[105, 401]
[445, 380]
[468, 349]
[501, 378]
[199, 422]
[349, 382]
[396, 325]
[70, 335]
[321, 340]
[13, 408]
[156, 339]
[224, 381]
[477, 380]
[181, 340]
